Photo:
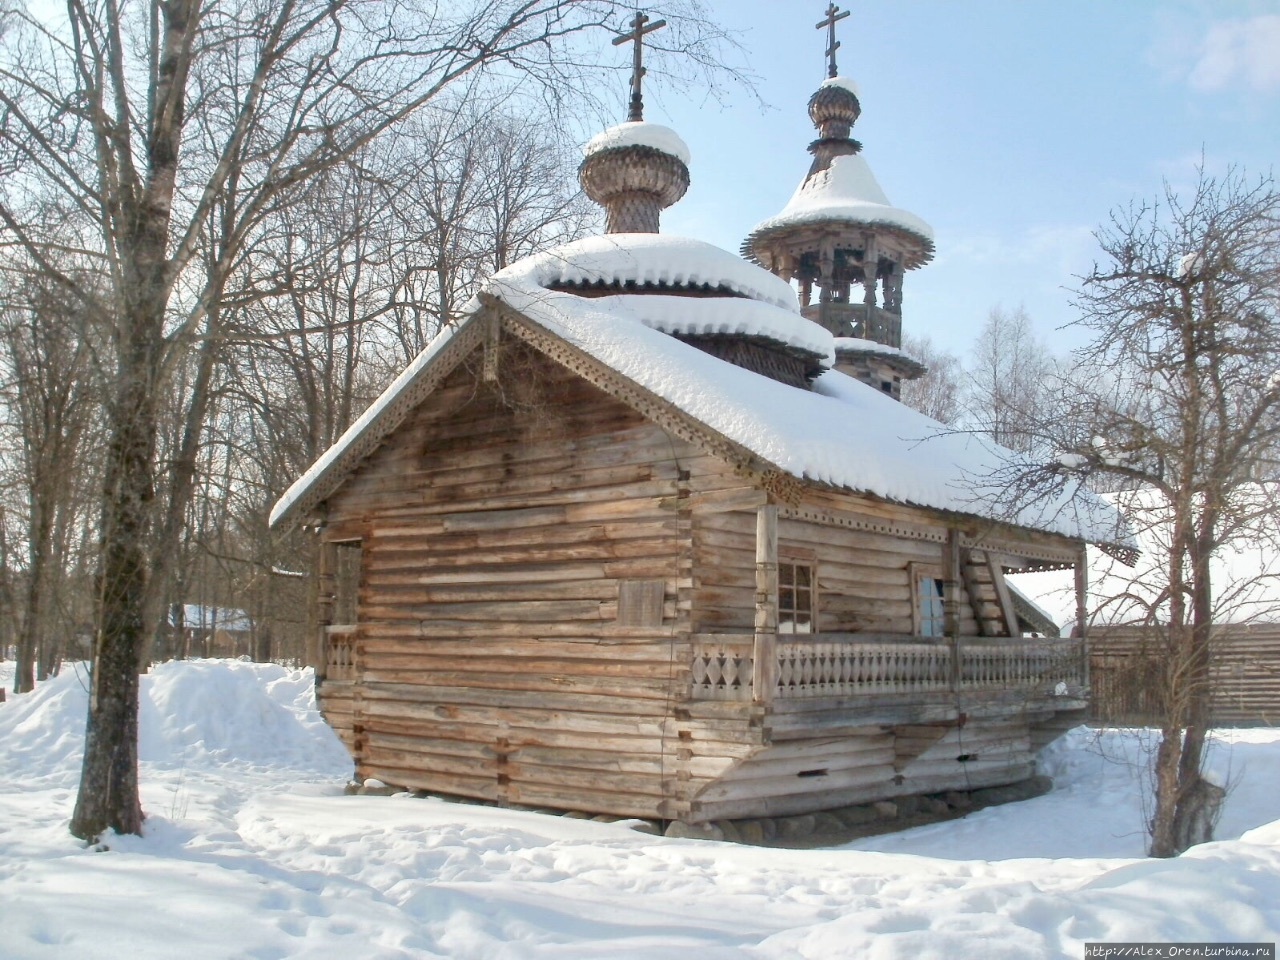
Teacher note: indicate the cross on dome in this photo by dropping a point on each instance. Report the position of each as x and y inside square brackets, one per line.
[834, 15]
[636, 36]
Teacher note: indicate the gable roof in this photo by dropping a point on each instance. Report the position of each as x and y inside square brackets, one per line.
[843, 433]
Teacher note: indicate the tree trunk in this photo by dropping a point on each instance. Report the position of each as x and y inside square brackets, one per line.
[108, 797]
[1166, 793]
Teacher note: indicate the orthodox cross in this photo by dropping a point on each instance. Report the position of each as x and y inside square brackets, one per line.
[833, 16]
[637, 36]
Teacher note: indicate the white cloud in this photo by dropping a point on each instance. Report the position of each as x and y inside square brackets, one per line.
[1239, 52]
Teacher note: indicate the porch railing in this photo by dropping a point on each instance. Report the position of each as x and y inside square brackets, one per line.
[832, 665]
[339, 652]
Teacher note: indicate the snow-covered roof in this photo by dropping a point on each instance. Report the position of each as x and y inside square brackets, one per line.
[843, 82]
[723, 315]
[843, 432]
[859, 345]
[847, 192]
[639, 134]
[651, 258]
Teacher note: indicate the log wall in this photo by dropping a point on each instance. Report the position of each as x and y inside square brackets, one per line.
[492, 658]
[864, 578]
[874, 763]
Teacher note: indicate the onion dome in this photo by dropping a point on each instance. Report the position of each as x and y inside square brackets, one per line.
[635, 171]
[834, 109]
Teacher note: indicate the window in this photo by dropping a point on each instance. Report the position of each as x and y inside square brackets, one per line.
[796, 589]
[930, 602]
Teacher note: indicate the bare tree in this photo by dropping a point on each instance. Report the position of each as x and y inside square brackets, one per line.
[177, 127]
[940, 392]
[1009, 373]
[53, 404]
[1177, 401]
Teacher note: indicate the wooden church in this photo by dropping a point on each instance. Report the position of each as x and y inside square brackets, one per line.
[649, 534]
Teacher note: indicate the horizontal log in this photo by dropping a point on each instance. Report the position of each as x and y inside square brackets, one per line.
[790, 768]
[412, 778]
[511, 559]
[524, 721]
[496, 683]
[643, 650]
[650, 670]
[573, 702]
[588, 800]
[457, 629]
[504, 612]
[387, 590]
[431, 536]
[870, 775]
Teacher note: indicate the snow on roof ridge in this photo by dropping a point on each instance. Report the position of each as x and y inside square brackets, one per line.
[639, 133]
[847, 190]
[651, 258]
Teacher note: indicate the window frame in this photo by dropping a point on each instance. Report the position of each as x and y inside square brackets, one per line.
[937, 617]
[794, 620]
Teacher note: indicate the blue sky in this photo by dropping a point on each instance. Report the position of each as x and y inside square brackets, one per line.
[1012, 126]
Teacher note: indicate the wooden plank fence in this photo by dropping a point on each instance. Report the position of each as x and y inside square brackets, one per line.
[1127, 667]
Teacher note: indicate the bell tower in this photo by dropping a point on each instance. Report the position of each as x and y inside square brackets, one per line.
[842, 241]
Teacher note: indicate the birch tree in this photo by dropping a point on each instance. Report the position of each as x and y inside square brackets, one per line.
[1010, 374]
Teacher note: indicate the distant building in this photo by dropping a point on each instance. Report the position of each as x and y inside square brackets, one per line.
[212, 631]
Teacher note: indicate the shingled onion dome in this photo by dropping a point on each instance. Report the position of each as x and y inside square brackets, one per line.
[834, 109]
[839, 231]
[635, 171]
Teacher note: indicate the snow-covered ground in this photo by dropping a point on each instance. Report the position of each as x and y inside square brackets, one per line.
[252, 851]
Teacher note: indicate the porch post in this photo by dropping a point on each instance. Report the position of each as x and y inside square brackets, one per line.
[951, 602]
[764, 675]
[1082, 609]
[318, 652]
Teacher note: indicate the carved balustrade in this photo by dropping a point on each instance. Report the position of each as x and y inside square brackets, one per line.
[340, 652]
[836, 665]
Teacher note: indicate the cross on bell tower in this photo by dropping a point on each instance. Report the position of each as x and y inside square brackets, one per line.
[638, 31]
[834, 15]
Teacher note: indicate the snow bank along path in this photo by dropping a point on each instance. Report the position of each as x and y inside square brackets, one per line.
[252, 851]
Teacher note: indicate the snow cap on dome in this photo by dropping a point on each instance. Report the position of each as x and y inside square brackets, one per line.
[635, 171]
[639, 133]
[845, 83]
[847, 191]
